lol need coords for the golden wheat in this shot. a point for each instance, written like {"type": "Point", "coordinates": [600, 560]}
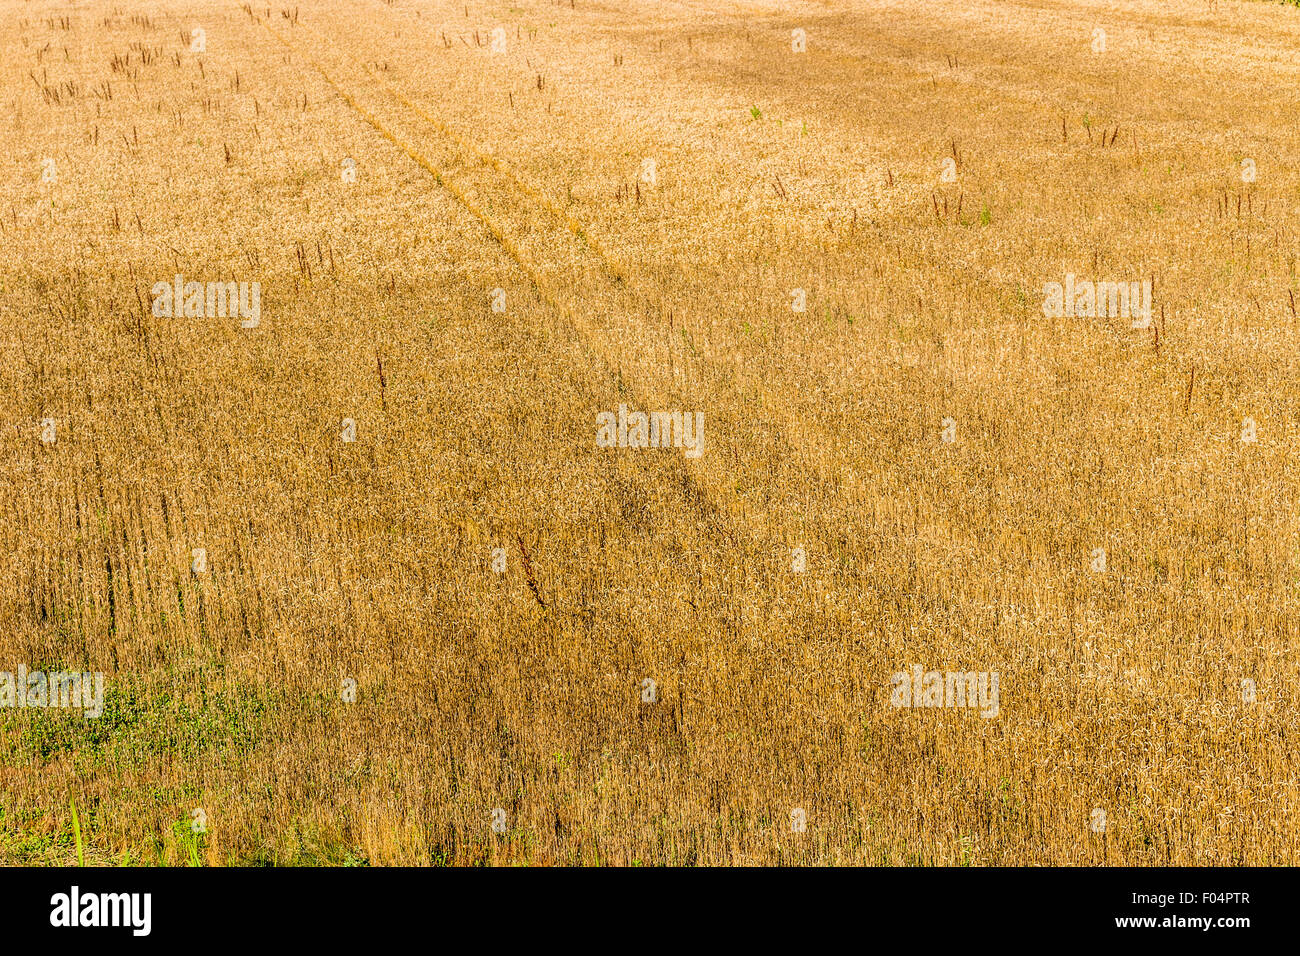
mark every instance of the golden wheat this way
{"type": "Point", "coordinates": [362, 581]}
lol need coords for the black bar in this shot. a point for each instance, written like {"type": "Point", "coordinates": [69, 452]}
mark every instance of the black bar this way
{"type": "Point", "coordinates": [958, 907]}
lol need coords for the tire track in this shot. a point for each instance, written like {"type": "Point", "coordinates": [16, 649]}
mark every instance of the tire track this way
{"type": "Point", "coordinates": [616, 272]}
{"type": "Point", "coordinates": [815, 471]}
{"type": "Point", "coordinates": [711, 493]}
{"type": "Point", "coordinates": [711, 499]}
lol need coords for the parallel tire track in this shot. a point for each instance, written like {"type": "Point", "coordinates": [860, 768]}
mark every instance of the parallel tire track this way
{"type": "Point", "coordinates": [622, 279]}
{"type": "Point", "coordinates": [714, 500]}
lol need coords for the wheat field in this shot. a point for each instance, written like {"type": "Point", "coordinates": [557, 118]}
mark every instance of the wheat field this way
{"type": "Point", "coordinates": [369, 557]}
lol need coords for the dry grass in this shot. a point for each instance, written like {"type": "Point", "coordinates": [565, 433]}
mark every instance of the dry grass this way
{"type": "Point", "coordinates": [372, 561]}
